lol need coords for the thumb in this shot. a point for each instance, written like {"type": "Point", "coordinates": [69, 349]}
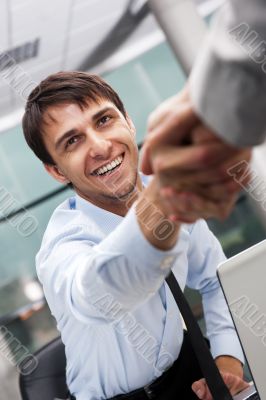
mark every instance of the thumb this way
{"type": "Point", "coordinates": [173, 130]}
{"type": "Point", "coordinates": [200, 388]}
{"type": "Point", "coordinates": [175, 127]}
{"type": "Point", "coordinates": [145, 161]}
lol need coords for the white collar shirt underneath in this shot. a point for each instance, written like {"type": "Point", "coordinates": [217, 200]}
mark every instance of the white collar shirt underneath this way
{"type": "Point", "coordinates": [105, 285]}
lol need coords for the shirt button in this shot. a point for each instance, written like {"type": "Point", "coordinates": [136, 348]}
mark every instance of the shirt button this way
{"type": "Point", "coordinates": [171, 314]}
{"type": "Point", "coordinates": [167, 262]}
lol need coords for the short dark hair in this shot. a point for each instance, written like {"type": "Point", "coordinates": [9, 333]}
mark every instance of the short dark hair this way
{"type": "Point", "coordinates": [63, 87]}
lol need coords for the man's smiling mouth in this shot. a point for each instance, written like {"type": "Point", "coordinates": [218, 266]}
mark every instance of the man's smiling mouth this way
{"type": "Point", "coordinates": [110, 167]}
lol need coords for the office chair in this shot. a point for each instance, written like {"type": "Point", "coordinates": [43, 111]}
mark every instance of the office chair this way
{"type": "Point", "coordinates": [48, 380]}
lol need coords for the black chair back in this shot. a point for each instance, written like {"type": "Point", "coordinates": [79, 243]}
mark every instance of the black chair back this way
{"type": "Point", "coordinates": [48, 380]}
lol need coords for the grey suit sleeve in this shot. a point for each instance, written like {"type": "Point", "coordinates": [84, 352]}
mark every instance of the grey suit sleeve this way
{"type": "Point", "coordinates": [228, 80]}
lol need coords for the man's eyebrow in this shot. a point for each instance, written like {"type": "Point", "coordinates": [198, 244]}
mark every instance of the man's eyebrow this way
{"type": "Point", "coordinates": [102, 112]}
{"type": "Point", "coordinates": [65, 136]}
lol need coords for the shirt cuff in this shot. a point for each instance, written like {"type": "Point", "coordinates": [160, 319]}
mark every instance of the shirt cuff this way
{"type": "Point", "coordinates": [227, 345]}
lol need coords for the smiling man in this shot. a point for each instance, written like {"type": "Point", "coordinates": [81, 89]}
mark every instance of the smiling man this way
{"type": "Point", "coordinates": [107, 251]}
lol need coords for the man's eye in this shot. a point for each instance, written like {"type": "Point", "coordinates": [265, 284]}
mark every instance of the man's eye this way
{"type": "Point", "coordinates": [103, 120]}
{"type": "Point", "coordinates": [71, 141]}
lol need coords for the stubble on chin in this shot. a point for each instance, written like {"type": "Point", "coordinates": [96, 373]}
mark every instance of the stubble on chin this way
{"type": "Point", "coordinates": [125, 190]}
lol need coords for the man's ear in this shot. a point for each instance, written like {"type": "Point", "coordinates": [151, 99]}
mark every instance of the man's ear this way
{"type": "Point", "coordinates": [55, 172]}
{"type": "Point", "coordinates": [131, 125]}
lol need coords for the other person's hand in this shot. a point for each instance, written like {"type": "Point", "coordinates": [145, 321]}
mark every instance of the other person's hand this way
{"type": "Point", "coordinates": [191, 162]}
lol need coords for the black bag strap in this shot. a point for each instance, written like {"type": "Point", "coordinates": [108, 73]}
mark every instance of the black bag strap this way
{"type": "Point", "coordinates": [207, 364]}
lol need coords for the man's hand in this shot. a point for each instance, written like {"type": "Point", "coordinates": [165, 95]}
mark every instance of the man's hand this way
{"type": "Point", "coordinates": [232, 373]}
{"type": "Point", "coordinates": [152, 218]}
{"type": "Point", "coordinates": [191, 162]}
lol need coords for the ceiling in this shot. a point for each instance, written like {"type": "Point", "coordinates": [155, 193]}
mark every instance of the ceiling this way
{"type": "Point", "coordinates": [39, 37]}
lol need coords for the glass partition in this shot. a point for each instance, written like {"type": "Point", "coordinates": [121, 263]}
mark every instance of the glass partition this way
{"type": "Point", "coordinates": [142, 84]}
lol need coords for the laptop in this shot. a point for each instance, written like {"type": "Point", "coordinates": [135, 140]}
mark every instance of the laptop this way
{"type": "Point", "coordinates": [243, 280]}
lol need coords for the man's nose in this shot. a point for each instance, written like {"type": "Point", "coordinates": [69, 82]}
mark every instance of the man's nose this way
{"type": "Point", "coordinates": [99, 146]}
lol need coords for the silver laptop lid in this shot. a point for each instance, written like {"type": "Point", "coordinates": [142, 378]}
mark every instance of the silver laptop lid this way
{"type": "Point", "coordinates": [243, 279]}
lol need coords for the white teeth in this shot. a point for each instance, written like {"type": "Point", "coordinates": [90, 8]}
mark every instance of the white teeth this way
{"type": "Point", "coordinates": [109, 166]}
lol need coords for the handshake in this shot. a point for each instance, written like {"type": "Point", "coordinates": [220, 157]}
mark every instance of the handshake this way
{"type": "Point", "coordinates": [191, 162]}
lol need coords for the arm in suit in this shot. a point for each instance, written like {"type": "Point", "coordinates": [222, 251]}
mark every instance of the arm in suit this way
{"type": "Point", "coordinates": [228, 81]}
{"type": "Point", "coordinates": [224, 101]}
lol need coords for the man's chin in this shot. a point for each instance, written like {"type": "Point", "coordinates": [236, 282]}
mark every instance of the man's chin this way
{"type": "Point", "coordinates": [122, 193]}
{"type": "Point", "coordinates": [125, 194]}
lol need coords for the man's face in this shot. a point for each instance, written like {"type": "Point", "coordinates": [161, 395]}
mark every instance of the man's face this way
{"type": "Point", "coordinates": [94, 149]}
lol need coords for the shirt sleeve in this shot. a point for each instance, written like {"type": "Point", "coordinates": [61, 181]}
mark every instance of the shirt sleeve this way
{"type": "Point", "coordinates": [228, 80]}
{"type": "Point", "coordinates": [123, 269]}
{"type": "Point", "coordinates": [204, 255]}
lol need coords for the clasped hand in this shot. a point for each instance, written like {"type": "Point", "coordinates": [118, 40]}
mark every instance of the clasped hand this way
{"type": "Point", "coordinates": [191, 162]}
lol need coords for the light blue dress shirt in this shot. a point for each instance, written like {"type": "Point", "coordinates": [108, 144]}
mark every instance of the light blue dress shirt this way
{"type": "Point", "coordinates": [104, 283]}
